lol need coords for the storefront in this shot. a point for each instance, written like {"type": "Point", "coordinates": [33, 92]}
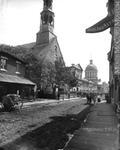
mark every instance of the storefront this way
{"type": "Point", "coordinates": [11, 84]}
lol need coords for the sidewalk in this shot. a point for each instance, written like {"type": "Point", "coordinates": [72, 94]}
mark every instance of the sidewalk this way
{"type": "Point", "coordinates": [46, 101]}
{"type": "Point", "coordinates": [99, 132]}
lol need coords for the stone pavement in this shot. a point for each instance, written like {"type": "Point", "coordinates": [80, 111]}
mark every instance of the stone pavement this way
{"type": "Point", "coordinates": [100, 130]}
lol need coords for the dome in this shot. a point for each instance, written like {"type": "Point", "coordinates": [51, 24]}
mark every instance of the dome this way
{"type": "Point", "coordinates": [91, 66]}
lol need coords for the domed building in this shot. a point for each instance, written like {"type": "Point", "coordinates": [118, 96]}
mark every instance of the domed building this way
{"type": "Point", "coordinates": [91, 72]}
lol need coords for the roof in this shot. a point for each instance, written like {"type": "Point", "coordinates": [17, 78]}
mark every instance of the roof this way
{"type": "Point", "coordinates": [78, 66]}
{"type": "Point", "coordinates": [41, 52]}
{"type": "Point", "coordinates": [91, 66]}
{"type": "Point", "coordinates": [10, 51]}
{"type": "Point", "coordinates": [27, 45]}
{"type": "Point", "coordinates": [14, 79]}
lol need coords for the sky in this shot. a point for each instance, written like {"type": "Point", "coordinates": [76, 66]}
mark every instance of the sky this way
{"type": "Point", "coordinates": [20, 21]}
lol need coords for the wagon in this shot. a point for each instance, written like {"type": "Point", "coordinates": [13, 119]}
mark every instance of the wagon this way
{"type": "Point", "coordinates": [12, 101]}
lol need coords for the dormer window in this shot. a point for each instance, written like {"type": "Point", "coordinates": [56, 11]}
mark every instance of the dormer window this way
{"type": "Point", "coordinates": [3, 63]}
{"type": "Point", "coordinates": [18, 67]}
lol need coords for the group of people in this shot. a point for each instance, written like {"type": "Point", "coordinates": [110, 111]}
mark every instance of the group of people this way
{"type": "Point", "coordinates": [93, 98]}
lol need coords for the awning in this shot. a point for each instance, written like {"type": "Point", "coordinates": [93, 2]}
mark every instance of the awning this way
{"type": "Point", "coordinates": [102, 25]}
{"type": "Point", "coordinates": [15, 79]}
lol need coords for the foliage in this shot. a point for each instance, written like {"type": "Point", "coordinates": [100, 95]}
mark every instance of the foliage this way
{"type": "Point", "coordinates": [18, 52]}
{"type": "Point", "coordinates": [64, 74]}
{"type": "Point", "coordinates": [48, 75]}
{"type": "Point", "coordinates": [42, 74]}
{"type": "Point", "coordinates": [33, 69]}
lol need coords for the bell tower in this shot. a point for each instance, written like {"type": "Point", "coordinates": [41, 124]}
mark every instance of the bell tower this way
{"type": "Point", "coordinates": [46, 24]}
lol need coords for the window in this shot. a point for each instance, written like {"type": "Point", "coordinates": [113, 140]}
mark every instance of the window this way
{"type": "Point", "coordinates": [18, 67]}
{"type": "Point", "coordinates": [3, 63]}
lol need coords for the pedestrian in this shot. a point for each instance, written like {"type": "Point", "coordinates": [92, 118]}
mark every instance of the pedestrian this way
{"type": "Point", "coordinates": [68, 94]}
{"type": "Point", "coordinates": [94, 99]}
{"type": "Point", "coordinates": [58, 94]}
{"type": "Point", "coordinates": [35, 91]}
{"type": "Point", "coordinates": [33, 94]}
{"type": "Point", "coordinates": [88, 98]}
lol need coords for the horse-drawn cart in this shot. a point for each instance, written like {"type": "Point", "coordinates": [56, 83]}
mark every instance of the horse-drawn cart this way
{"type": "Point", "coordinates": [12, 101]}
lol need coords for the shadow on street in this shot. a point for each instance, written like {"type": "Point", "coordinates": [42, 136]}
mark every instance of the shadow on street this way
{"type": "Point", "coordinates": [51, 136]}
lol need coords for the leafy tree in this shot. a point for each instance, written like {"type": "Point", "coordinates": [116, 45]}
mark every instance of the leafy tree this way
{"type": "Point", "coordinates": [64, 74]}
{"type": "Point", "coordinates": [48, 74]}
{"type": "Point", "coordinates": [33, 69]}
{"type": "Point", "coordinates": [41, 73]}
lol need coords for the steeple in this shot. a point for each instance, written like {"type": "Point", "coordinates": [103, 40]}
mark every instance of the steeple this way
{"type": "Point", "coordinates": [46, 23]}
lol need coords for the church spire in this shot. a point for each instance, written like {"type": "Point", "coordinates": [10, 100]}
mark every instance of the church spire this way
{"type": "Point", "coordinates": [46, 24]}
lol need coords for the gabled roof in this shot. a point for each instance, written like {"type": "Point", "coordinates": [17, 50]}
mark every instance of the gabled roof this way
{"type": "Point", "coordinates": [78, 66]}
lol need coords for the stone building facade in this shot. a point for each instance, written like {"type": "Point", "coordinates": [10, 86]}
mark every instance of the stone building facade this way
{"type": "Point", "coordinates": [116, 49]}
{"type": "Point", "coordinates": [45, 51]}
{"type": "Point", "coordinates": [114, 55]}
{"type": "Point", "coordinates": [76, 70]}
{"type": "Point", "coordinates": [112, 21]}
{"type": "Point", "coordinates": [85, 85]}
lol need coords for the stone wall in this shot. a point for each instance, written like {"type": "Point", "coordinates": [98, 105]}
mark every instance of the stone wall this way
{"type": "Point", "coordinates": [116, 37]}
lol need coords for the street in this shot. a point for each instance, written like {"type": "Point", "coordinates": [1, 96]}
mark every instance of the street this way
{"type": "Point", "coordinates": [59, 85]}
{"type": "Point", "coordinates": [32, 117]}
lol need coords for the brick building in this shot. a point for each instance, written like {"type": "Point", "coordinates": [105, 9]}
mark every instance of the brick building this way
{"type": "Point", "coordinates": [12, 74]}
